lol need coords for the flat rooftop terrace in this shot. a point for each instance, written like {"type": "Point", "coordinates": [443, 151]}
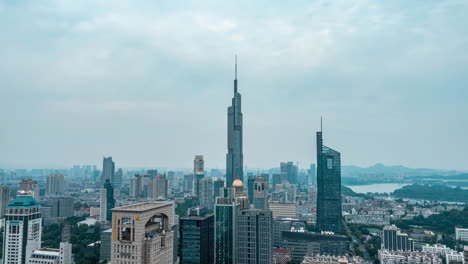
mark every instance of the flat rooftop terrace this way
{"type": "Point", "coordinates": [141, 207]}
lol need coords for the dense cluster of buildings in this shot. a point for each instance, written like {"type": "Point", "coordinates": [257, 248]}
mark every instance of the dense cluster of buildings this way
{"type": "Point", "coordinates": [145, 216]}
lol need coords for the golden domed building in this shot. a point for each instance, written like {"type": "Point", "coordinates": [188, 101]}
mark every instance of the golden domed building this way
{"type": "Point", "coordinates": [239, 193]}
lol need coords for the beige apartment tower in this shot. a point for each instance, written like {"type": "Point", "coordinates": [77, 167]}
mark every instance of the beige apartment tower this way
{"type": "Point", "coordinates": [142, 233]}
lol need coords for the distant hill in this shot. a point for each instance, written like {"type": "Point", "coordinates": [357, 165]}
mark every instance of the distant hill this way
{"type": "Point", "coordinates": [378, 173]}
{"type": "Point", "coordinates": [433, 193]}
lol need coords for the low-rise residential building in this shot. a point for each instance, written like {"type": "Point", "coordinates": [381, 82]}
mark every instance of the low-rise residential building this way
{"type": "Point", "coordinates": [454, 257]}
{"type": "Point", "coordinates": [63, 255]}
{"type": "Point", "coordinates": [333, 260]}
{"type": "Point", "coordinates": [366, 219]}
{"type": "Point", "coordinates": [465, 253]}
{"type": "Point", "coordinates": [408, 257]}
{"type": "Point", "coordinates": [437, 249]}
{"type": "Point", "coordinates": [281, 256]}
{"type": "Point", "coordinates": [444, 252]}
{"type": "Point", "coordinates": [310, 244]}
{"type": "Point", "coordinates": [461, 234]}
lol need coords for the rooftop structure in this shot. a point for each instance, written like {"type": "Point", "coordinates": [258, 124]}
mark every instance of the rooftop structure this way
{"type": "Point", "coordinates": [142, 233]}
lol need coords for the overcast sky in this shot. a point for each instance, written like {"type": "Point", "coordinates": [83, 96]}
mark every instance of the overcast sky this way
{"type": "Point", "coordinates": [148, 82]}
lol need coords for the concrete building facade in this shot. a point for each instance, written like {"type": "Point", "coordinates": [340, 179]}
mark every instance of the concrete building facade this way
{"type": "Point", "coordinates": [142, 233]}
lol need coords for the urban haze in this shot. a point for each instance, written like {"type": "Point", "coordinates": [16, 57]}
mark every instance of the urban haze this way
{"type": "Point", "coordinates": [248, 132]}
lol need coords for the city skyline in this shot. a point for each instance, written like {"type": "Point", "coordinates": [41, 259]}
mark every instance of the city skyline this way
{"type": "Point", "coordinates": [390, 84]}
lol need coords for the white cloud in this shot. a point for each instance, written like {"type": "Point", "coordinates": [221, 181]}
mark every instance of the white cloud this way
{"type": "Point", "coordinates": [172, 62]}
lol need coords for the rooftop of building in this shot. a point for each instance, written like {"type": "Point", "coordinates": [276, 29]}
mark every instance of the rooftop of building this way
{"type": "Point", "coordinates": [23, 202]}
{"type": "Point", "coordinates": [141, 207]}
{"type": "Point", "coordinates": [282, 250]}
{"type": "Point", "coordinates": [309, 236]}
{"type": "Point", "coordinates": [197, 217]}
{"type": "Point", "coordinates": [47, 252]}
{"type": "Point", "coordinates": [88, 221]}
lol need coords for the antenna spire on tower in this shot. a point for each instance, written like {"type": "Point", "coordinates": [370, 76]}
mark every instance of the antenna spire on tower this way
{"type": "Point", "coordinates": [236, 68]}
{"type": "Point", "coordinates": [321, 127]}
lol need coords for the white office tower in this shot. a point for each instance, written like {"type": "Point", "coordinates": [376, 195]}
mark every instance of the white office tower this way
{"type": "Point", "coordinates": [55, 185]}
{"type": "Point", "coordinates": [142, 233]}
{"type": "Point", "coordinates": [22, 229]}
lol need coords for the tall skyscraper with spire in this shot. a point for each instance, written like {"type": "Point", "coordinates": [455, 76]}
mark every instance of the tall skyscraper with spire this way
{"type": "Point", "coordinates": [329, 216]}
{"type": "Point", "coordinates": [234, 157]}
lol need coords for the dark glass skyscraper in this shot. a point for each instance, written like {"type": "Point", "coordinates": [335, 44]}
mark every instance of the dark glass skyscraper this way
{"type": "Point", "coordinates": [226, 211]}
{"type": "Point", "coordinates": [108, 170]}
{"type": "Point", "coordinates": [328, 188]}
{"type": "Point", "coordinates": [197, 239]}
{"type": "Point", "coordinates": [234, 157]}
{"type": "Point", "coordinates": [109, 200]}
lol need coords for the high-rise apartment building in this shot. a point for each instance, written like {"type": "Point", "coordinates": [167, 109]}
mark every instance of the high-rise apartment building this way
{"type": "Point", "coordinates": [28, 184]}
{"type": "Point", "coordinates": [160, 187]}
{"type": "Point", "coordinates": [118, 179]}
{"type": "Point", "coordinates": [198, 165]}
{"type": "Point", "coordinates": [218, 185]}
{"type": "Point", "coordinates": [226, 211]}
{"type": "Point", "coordinates": [4, 199]}
{"type": "Point", "coordinates": [107, 202]}
{"type": "Point", "coordinates": [108, 170]}
{"type": "Point", "coordinates": [197, 239]}
{"type": "Point", "coordinates": [234, 157]}
{"type": "Point", "coordinates": [105, 250]}
{"type": "Point", "coordinates": [2, 176]}
{"type": "Point", "coordinates": [289, 172]}
{"type": "Point", "coordinates": [55, 185]}
{"type": "Point", "coordinates": [62, 207]}
{"type": "Point", "coordinates": [22, 229]}
{"type": "Point", "coordinates": [312, 175]}
{"type": "Point", "coordinates": [133, 187]}
{"type": "Point", "coordinates": [197, 184]}
{"type": "Point", "coordinates": [394, 240]}
{"type": "Point", "coordinates": [206, 193]}
{"type": "Point", "coordinates": [329, 212]}
{"type": "Point", "coordinates": [199, 174]}
{"type": "Point", "coordinates": [188, 183]}
{"type": "Point", "coordinates": [142, 233]}
{"type": "Point", "coordinates": [250, 187]}
{"type": "Point", "coordinates": [254, 231]}
{"type": "Point", "coordinates": [260, 193]}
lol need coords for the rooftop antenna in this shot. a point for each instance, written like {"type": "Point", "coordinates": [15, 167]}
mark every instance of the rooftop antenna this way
{"type": "Point", "coordinates": [236, 68]}
{"type": "Point", "coordinates": [321, 127]}
{"type": "Point", "coordinates": [235, 75]}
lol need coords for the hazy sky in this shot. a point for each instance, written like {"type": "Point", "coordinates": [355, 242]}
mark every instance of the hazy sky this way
{"type": "Point", "coordinates": [148, 82]}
